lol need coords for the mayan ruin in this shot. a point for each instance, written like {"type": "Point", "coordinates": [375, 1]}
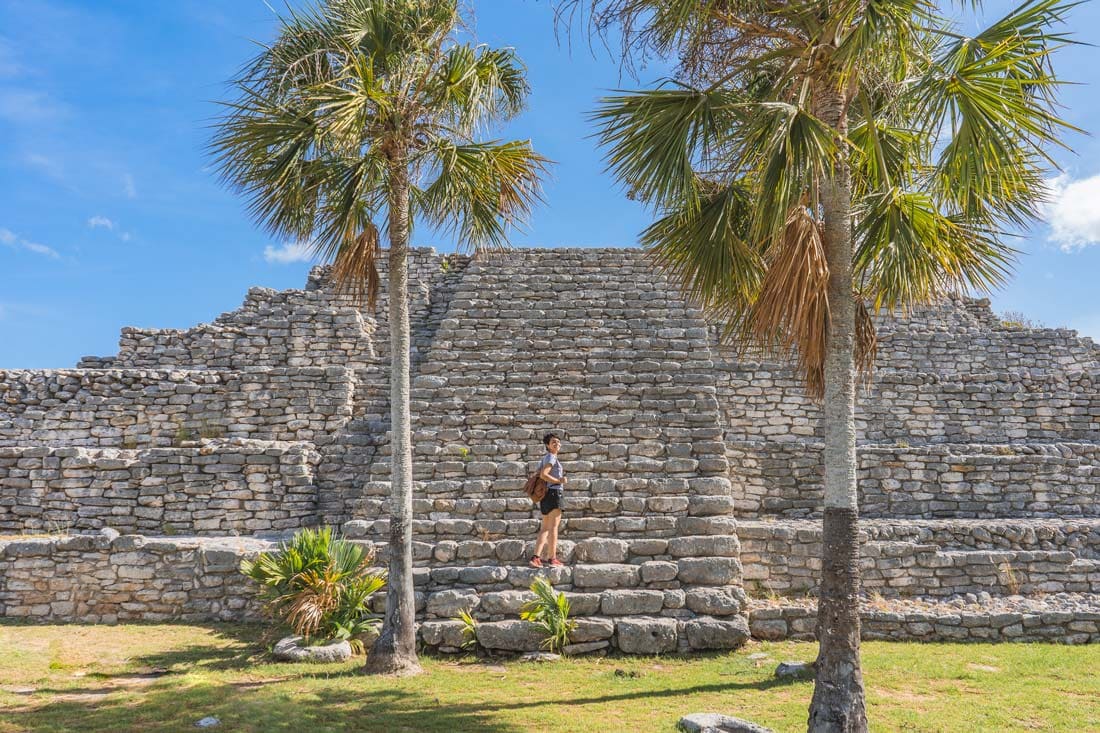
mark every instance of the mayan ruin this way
{"type": "Point", "coordinates": [695, 495]}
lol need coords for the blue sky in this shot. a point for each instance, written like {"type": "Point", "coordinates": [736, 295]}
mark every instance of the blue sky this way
{"type": "Point", "coordinates": [110, 215]}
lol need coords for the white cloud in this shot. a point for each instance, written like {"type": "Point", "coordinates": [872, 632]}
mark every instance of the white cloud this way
{"type": "Point", "coordinates": [101, 222]}
{"type": "Point", "coordinates": [128, 186]}
{"type": "Point", "coordinates": [289, 252]}
{"type": "Point", "coordinates": [1074, 212]}
{"type": "Point", "coordinates": [13, 240]}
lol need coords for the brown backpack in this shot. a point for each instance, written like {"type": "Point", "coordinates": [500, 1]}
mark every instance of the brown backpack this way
{"type": "Point", "coordinates": [535, 488]}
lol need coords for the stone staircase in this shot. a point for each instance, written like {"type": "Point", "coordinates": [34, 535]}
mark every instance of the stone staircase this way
{"type": "Point", "coordinates": [694, 495]}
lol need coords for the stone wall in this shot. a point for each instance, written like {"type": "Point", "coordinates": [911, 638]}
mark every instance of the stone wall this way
{"type": "Point", "coordinates": [787, 560]}
{"type": "Point", "coordinates": [799, 622]}
{"type": "Point", "coordinates": [131, 408]}
{"type": "Point", "coordinates": [963, 335]}
{"type": "Point", "coordinates": [766, 402]}
{"type": "Point", "coordinates": [107, 578]}
{"type": "Point", "coordinates": [222, 487]}
{"type": "Point", "coordinates": [1008, 480]}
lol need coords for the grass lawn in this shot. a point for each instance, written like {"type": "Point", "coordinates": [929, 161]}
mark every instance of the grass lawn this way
{"type": "Point", "coordinates": [166, 677]}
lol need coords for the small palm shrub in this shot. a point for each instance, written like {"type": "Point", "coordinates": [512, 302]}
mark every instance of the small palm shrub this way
{"type": "Point", "coordinates": [319, 585]}
{"type": "Point", "coordinates": [469, 629]}
{"type": "Point", "coordinates": [549, 610]}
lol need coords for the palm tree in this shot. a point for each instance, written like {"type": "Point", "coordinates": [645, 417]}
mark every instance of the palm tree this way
{"type": "Point", "coordinates": [362, 116]}
{"type": "Point", "coordinates": [814, 161]}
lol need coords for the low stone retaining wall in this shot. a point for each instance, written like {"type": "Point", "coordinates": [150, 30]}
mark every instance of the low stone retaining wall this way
{"type": "Point", "coordinates": [1035, 480]}
{"type": "Point", "coordinates": [224, 486]}
{"type": "Point", "coordinates": [107, 578]}
{"type": "Point", "coordinates": [787, 561]}
{"type": "Point", "coordinates": [133, 408]}
{"type": "Point", "coordinates": [945, 624]}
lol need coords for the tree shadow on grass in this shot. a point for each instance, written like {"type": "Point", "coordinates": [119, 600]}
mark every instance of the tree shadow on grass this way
{"type": "Point", "coordinates": [246, 708]}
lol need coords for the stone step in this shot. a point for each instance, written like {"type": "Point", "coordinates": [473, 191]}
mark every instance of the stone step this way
{"type": "Point", "coordinates": [512, 504]}
{"type": "Point", "coordinates": [572, 528]}
{"type": "Point", "coordinates": [1079, 536]}
{"type": "Point", "coordinates": [1065, 618]}
{"type": "Point", "coordinates": [518, 551]}
{"type": "Point", "coordinates": [675, 588]}
{"type": "Point", "coordinates": [628, 634]}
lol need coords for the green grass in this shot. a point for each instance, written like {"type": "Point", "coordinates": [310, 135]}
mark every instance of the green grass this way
{"type": "Point", "coordinates": [165, 677]}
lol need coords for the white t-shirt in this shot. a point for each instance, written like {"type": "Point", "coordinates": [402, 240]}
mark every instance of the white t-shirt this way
{"type": "Point", "coordinates": [556, 470]}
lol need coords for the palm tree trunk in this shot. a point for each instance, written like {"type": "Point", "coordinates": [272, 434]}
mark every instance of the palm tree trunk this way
{"type": "Point", "coordinates": [838, 702]}
{"type": "Point", "coordinates": [395, 650]}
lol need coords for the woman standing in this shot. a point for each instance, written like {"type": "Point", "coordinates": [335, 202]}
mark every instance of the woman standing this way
{"type": "Point", "coordinates": [553, 474]}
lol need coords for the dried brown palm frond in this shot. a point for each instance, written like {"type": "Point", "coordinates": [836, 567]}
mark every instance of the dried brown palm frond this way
{"type": "Point", "coordinates": [866, 341]}
{"type": "Point", "coordinates": [355, 267]}
{"type": "Point", "coordinates": [318, 596]}
{"type": "Point", "coordinates": [790, 316]}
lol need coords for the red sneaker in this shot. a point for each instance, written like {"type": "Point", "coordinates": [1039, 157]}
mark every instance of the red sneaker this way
{"type": "Point", "coordinates": [557, 563]}
{"type": "Point", "coordinates": [536, 562]}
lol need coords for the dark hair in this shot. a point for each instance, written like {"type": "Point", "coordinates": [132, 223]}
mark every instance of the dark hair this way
{"type": "Point", "coordinates": [548, 437]}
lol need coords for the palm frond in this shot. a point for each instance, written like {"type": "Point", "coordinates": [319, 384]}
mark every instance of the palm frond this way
{"type": "Point", "coordinates": [704, 247]}
{"type": "Point", "coordinates": [654, 138]}
{"type": "Point", "coordinates": [481, 189]}
{"type": "Point", "coordinates": [479, 84]}
{"type": "Point", "coordinates": [909, 251]}
{"type": "Point", "coordinates": [789, 318]}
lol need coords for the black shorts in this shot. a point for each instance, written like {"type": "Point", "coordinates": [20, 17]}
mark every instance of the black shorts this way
{"type": "Point", "coordinates": [552, 501]}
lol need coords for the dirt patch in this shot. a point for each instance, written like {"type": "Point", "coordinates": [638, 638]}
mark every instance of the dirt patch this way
{"type": "Point", "coordinates": [905, 696]}
{"type": "Point", "coordinates": [982, 667]}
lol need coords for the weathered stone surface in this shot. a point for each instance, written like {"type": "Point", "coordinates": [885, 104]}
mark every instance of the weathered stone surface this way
{"type": "Point", "coordinates": [291, 649]}
{"type": "Point", "coordinates": [443, 633]}
{"type": "Point", "coordinates": [606, 576]}
{"type": "Point", "coordinates": [711, 601]}
{"type": "Point", "coordinates": [592, 629]}
{"type": "Point", "coordinates": [448, 603]}
{"type": "Point", "coordinates": [646, 635]}
{"type": "Point", "coordinates": [621, 602]}
{"type": "Point", "coordinates": [573, 650]}
{"type": "Point", "coordinates": [600, 550]}
{"type": "Point", "coordinates": [712, 633]}
{"type": "Point", "coordinates": [709, 570]}
{"type": "Point", "coordinates": [718, 723]}
{"type": "Point", "coordinates": [796, 670]}
{"type": "Point", "coordinates": [514, 636]}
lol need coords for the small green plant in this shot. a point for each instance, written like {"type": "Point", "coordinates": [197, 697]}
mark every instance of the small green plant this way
{"type": "Point", "coordinates": [319, 585]}
{"type": "Point", "coordinates": [901, 443]}
{"type": "Point", "coordinates": [464, 453]}
{"type": "Point", "coordinates": [469, 629]}
{"type": "Point", "coordinates": [445, 265]}
{"type": "Point", "coordinates": [549, 610]}
{"type": "Point", "coordinates": [183, 435]}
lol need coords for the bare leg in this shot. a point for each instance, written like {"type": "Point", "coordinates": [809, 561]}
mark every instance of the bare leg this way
{"type": "Point", "coordinates": [552, 532]}
{"type": "Point", "coordinates": [543, 536]}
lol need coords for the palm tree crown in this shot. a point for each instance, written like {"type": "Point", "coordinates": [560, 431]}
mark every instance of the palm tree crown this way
{"type": "Point", "coordinates": [358, 97]}
{"type": "Point", "coordinates": [944, 136]}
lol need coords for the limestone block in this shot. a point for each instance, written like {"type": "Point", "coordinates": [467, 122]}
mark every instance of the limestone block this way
{"type": "Point", "coordinates": [646, 635]}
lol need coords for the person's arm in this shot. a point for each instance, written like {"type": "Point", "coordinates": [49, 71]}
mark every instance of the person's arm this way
{"type": "Point", "coordinates": [545, 475]}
